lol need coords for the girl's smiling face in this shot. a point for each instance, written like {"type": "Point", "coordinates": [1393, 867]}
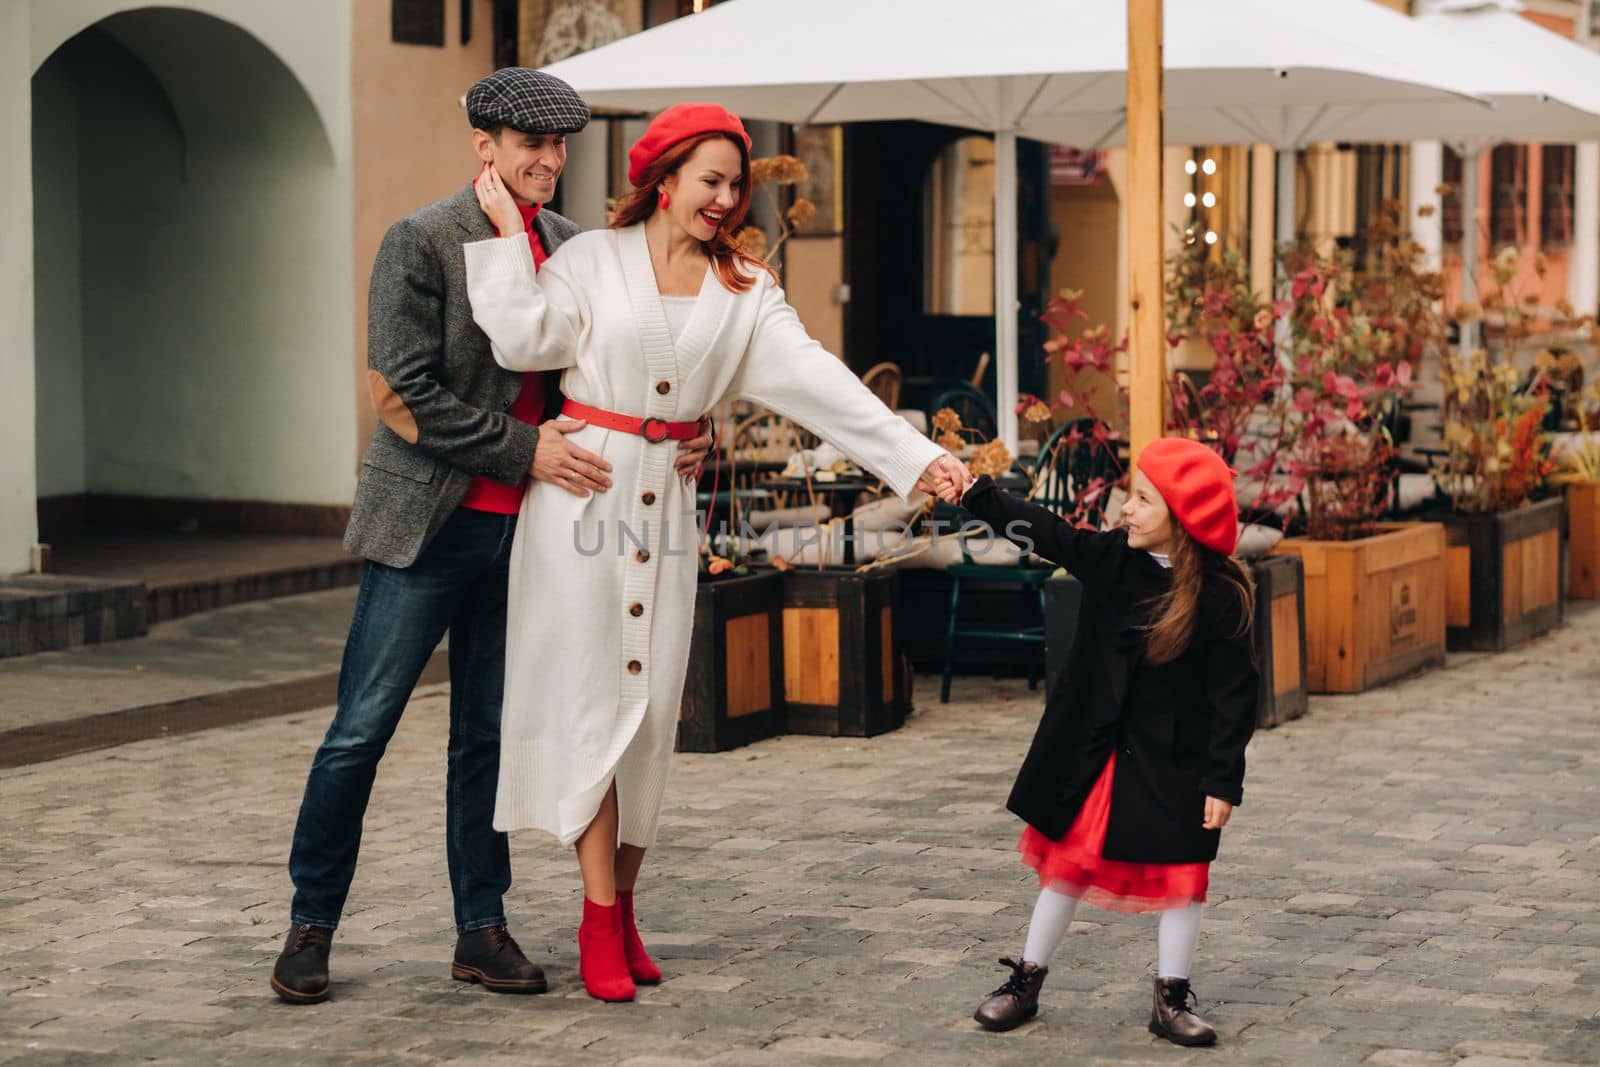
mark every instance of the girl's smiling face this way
{"type": "Point", "coordinates": [1146, 517]}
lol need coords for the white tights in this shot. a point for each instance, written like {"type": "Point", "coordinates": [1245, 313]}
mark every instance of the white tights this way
{"type": "Point", "coordinates": [1176, 936]}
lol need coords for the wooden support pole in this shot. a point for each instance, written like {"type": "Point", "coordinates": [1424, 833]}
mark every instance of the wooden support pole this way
{"type": "Point", "coordinates": [1147, 336]}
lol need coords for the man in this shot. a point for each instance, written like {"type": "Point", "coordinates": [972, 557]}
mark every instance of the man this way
{"type": "Point", "coordinates": [435, 510]}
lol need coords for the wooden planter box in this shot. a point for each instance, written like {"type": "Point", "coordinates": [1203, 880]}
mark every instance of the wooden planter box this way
{"type": "Point", "coordinates": [1583, 525]}
{"type": "Point", "coordinates": [1280, 636]}
{"type": "Point", "coordinates": [1374, 606]}
{"type": "Point", "coordinates": [1504, 576]}
{"type": "Point", "coordinates": [733, 694]}
{"type": "Point", "coordinates": [843, 674]}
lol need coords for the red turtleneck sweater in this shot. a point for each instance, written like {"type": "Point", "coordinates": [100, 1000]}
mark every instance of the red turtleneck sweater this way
{"type": "Point", "coordinates": [486, 494]}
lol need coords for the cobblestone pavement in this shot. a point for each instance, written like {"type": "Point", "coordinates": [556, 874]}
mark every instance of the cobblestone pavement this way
{"type": "Point", "coordinates": [1412, 881]}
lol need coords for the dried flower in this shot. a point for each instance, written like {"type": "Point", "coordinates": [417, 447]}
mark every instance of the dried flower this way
{"type": "Point", "coordinates": [782, 170]}
{"type": "Point", "coordinates": [947, 420]}
{"type": "Point", "coordinates": [950, 441]}
{"type": "Point", "coordinates": [990, 458]}
{"type": "Point", "coordinates": [1038, 411]}
{"type": "Point", "coordinates": [752, 241]}
{"type": "Point", "coordinates": [800, 213]}
{"type": "Point", "coordinates": [1426, 211]}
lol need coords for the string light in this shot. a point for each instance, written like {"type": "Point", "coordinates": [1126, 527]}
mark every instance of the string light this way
{"type": "Point", "coordinates": [1209, 166]}
{"type": "Point", "coordinates": [1188, 199]}
{"type": "Point", "coordinates": [1189, 166]}
{"type": "Point", "coordinates": [1209, 200]}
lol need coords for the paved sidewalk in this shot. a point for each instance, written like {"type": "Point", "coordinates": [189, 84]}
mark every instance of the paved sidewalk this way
{"type": "Point", "coordinates": [1413, 880]}
{"type": "Point", "coordinates": [244, 646]}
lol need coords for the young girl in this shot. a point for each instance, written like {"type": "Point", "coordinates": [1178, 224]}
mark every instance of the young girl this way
{"type": "Point", "coordinates": [1139, 758]}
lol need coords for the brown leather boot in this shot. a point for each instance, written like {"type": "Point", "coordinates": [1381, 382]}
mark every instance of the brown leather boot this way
{"type": "Point", "coordinates": [1172, 1018]}
{"type": "Point", "coordinates": [492, 958]}
{"type": "Point", "coordinates": [301, 974]}
{"type": "Point", "coordinates": [1015, 1002]}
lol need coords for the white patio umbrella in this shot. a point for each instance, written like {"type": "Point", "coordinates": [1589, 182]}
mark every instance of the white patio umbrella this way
{"type": "Point", "coordinates": [1544, 88]}
{"type": "Point", "coordinates": [1235, 71]}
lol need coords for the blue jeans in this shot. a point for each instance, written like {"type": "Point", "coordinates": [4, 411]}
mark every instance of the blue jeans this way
{"type": "Point", "coordinates": [457, 584]}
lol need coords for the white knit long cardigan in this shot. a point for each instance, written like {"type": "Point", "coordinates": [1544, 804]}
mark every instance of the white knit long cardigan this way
{"type": "Point", "coordinates": [603, 588]}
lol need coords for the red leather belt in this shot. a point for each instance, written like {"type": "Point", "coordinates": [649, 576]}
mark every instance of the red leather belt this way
{"type": "Point", "coordinates": [653, 430]}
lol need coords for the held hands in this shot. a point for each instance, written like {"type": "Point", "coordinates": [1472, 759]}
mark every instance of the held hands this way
{"type": "Point", "coordinates": [559, 462]}
{"type": "Point", "coordinates": [496, 202]}
{"type": "Point", "coordinates": [946, 478]}
{"type": "Point", "coordinates": [1217, 813]}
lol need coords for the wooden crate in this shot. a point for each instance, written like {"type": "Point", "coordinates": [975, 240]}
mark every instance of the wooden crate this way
{"type": "Point", "coordinates": [733, 694]}
{"type": "Point", "coordinates": [1375, 606]}
{"type": "Point", "coordinates": [1280, 636]}
{"type": "Point", "coordinates": [1504, 576]}
{"type": "Point", "coordinates": [843, 674]}
{"type": "Point", "coordinates": [1583, 543]}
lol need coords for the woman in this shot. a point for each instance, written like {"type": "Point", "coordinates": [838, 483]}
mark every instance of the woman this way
{"type": "Point", "coordinates": [654, 320]}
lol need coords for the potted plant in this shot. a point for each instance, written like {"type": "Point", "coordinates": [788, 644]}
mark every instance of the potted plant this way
{"type": "Point", "coordinates": [1374, 589]}
{"type": "Point", "coordinates": [733, 693]}
{"type": "Point", "coordinates": [1504, 543]}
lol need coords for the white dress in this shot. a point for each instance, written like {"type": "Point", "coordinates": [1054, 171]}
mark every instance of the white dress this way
{"type": "Point", "coordinates": [602, 588]}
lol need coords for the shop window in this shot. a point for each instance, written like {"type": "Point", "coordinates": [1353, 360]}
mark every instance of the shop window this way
{"type": "Point", "coordinates": [1450, 209]}
{"type": "Point", "coordinates": [1558, 172]}
{"type": "Point", "coordinates": [958, 228]}
{"type": "Point", "coordinates": [1508, 195]}
{"type": "Point", "coordinates": [417, 22]}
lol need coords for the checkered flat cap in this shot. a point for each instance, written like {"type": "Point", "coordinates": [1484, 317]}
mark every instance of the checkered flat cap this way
{"type": "Point", "coordinates": [527, 100]}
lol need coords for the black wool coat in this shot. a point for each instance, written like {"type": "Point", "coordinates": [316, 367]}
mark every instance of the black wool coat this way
{"type": "Point", "coordinates": [1179, 729]}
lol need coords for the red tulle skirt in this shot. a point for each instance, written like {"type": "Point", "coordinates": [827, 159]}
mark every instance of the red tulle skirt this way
{"type": "Point", "coordinates": [1074, 865]}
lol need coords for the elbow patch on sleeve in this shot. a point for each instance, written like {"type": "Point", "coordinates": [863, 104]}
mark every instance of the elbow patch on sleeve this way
{"type": "Point", "coordinates": [392, 411]}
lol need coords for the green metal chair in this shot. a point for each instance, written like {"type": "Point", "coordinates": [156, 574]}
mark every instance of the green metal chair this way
{"type": "Point", "coordinates": [975, 407]}
{"type": "Point", "coordinates": [1067, 465]}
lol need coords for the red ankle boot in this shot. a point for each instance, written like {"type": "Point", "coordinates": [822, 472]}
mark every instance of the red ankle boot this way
{"type": "Point", "coordinates": [600, 957]}
{"type": "Point", "coordinates": [640, 965]}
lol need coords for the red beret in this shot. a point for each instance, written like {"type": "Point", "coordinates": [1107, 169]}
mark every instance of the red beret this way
{"type": "Point", "coordinates": [1197, 486]}
{"type": "Point", "coordinates": [677, 124]}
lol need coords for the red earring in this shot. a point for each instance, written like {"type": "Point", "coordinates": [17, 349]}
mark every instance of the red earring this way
{"type": "Point", "coordinates": [663, 200]}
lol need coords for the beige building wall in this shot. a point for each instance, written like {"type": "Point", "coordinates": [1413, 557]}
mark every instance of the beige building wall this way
{"type": "Point", "coordinates": [813, 273]}
{"type": "Point", "coordinates": [411, 140]}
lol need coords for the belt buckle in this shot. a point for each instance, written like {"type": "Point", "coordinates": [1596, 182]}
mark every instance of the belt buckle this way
{"type": "Point", "coordinates": [656, 435]}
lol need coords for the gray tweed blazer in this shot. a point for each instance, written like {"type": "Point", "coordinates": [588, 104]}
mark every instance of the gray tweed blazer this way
{"type": "Point", "coordinates": [441, 399]}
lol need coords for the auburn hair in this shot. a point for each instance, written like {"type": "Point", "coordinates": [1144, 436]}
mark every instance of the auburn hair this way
{"type": "Point", "coordinates": [1177, 611]}
{"type": "Point", "coordinates": [734, 267]}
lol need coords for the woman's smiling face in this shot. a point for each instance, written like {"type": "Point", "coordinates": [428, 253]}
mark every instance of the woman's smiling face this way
{"type": "Point", "coordinates": [705, 188]}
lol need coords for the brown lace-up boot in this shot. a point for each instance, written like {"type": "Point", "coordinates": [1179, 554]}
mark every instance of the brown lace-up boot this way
{"type": "Point", "coordinates": [301, 974]}
{"type": "Point", "coordinates": [1015, 1002]}
{"type": "Point", "coordinates": [1172, 1018]}
{"type": "Point", "coordinates": [492, 958]}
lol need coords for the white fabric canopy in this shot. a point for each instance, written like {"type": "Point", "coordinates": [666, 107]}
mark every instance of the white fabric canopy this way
{"type": "Point", "coordinates": [1235, 71]}
{"type": "Point", "coordinates": [1543, 86]}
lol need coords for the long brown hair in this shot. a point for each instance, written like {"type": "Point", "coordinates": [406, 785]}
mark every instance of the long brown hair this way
{"type": "Point", "coordinates": [1177, 612]}
{"type": "Point", "coordinates": [728, 260]}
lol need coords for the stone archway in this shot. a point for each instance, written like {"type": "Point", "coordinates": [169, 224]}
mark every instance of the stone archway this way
{"type": "Point", "coordinates": [192, 313]}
